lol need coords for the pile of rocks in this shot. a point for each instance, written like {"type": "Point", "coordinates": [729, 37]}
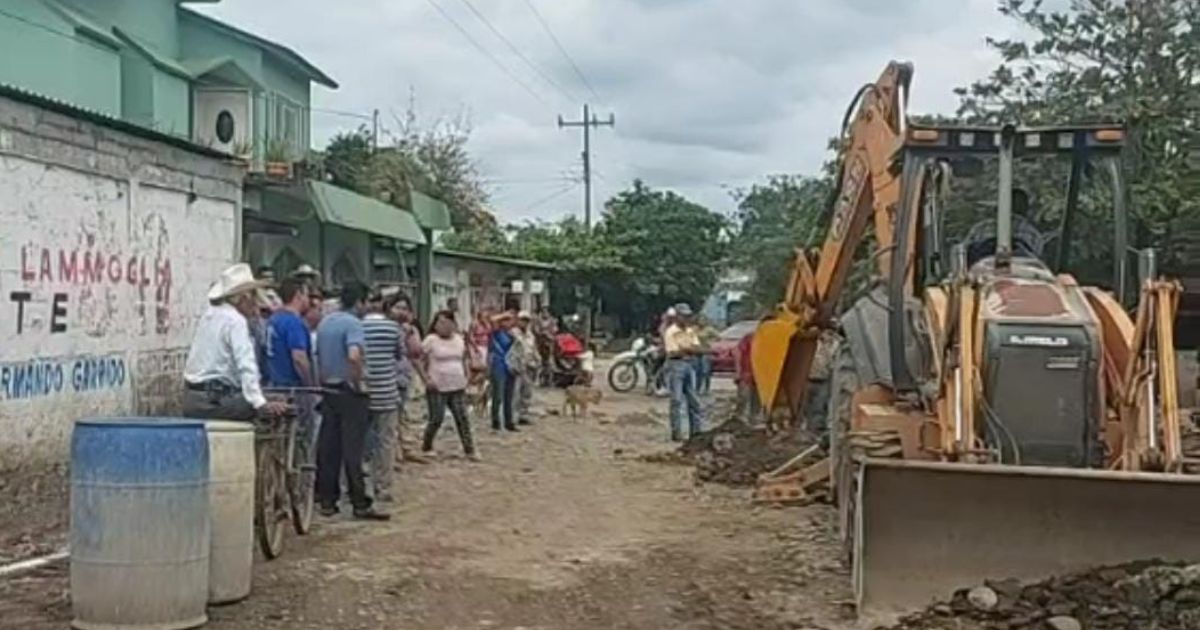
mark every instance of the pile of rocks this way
{"type": "Point", "coordinates": [735, 453]}
{"type": "Point", "coordinates": [1137, 595]}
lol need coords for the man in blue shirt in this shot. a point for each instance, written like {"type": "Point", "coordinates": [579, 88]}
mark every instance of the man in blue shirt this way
{"type": "Point", "coordinates": [346, 409]}
{"type": "Point", "coordinates": [289, 347]}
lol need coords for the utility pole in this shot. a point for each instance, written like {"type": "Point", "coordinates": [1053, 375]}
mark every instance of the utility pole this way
{"type": "Point", "coordinates": [588, 121]}
{"type": "Point", "coordinates": [375, 131]}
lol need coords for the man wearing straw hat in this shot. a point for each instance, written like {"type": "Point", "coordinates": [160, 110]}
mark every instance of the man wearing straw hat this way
{"type": "Point", "coordinates": [221, 374]}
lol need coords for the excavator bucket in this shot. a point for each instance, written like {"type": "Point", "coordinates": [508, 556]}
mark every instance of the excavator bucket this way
{"type": "Point", "coordinates": [924, 529]}
{"type": "Point", "coordinates": [769, 353]}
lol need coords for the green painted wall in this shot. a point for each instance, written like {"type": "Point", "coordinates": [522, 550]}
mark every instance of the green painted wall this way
{"type": "Point", "coordinates": [137, 89]}
{"type": "Point", "coordinates": [172, 104]}
{"type": "Point", "coordinates": [198, 40]}
{"type": "Point", "coordinates": [152, 20]}
{"type": "Point", "coordinates": [70, 68]}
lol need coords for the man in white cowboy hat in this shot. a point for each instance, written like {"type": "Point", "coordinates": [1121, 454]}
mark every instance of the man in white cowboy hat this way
{"type": "Point", "coordinates": [221, 374]}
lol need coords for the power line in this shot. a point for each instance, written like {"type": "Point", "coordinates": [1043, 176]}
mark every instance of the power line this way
{"type": "Point", "coordinates": [561, 49]}
{"type": "Point", "coordinates": [485, 52]}
{"type": "Point", "coordinates": [516, 51]}
{"type": "Point", "coordinates": [551, 197]}
{"type": "Point", "coordinates": [54, 31]}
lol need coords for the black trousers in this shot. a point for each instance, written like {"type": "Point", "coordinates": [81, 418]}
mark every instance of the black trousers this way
{"type": "Point", "coordinates": [345, 419]}
{"type": "Point", "coordinates": [457, 402]}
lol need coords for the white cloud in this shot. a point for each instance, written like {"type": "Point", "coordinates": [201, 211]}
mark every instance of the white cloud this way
{"type": "Point", "coordinates": [708, 94]}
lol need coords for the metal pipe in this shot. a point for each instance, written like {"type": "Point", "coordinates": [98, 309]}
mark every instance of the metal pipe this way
{"type": "Point", "coordinates": [958, 400]}
{"type": "Point", "coordinates": [23, 566]}
{"type": "Point", "coordinates": [1004, 202]}
{"type": "Point", "coordinates": [1121, 232]}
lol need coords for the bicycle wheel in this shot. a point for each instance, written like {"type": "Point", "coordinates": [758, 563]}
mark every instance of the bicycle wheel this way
{"type": "Point", "coordinates": [301, 484]}
{"type": "Point", "coordinates": [271, 500]}
{"type": "Point", "coordinates": [623, 376]}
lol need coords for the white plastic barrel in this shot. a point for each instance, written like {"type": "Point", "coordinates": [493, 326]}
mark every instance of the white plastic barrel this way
{"type": "Point", "coordinates": [139, 524]}
{"type": "Point", "coordinates": [231, 501]}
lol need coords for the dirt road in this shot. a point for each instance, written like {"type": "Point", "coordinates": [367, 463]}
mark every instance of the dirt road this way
{"type": "Point", "coordinates": [561, 526]}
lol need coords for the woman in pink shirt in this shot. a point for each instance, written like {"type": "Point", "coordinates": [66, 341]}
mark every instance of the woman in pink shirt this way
{"type": "Point", "coordinates": [443, 366]}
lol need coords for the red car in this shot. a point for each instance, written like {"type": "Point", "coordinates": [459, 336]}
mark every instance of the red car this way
{"type": "Point", "coordinates": [724, 349]}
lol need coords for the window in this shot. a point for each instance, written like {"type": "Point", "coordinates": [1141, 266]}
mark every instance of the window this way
{"type": "Point", "coordinates": [285, 122]}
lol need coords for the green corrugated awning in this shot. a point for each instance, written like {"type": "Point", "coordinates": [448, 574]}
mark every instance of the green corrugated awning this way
{"type": "Point", "coordinates": [432, 214]}
{"type": "Point", "coordinates": [357, 212]}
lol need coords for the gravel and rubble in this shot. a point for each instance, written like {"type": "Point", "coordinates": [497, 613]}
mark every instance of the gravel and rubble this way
{"type": "Point", "coordinates": [736, 453]}
{"type": "Point", "coordinates": [1150, 595]}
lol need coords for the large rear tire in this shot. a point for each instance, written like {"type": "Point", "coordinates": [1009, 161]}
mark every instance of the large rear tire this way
{"type": "Point", "coordinates": [849, 445]}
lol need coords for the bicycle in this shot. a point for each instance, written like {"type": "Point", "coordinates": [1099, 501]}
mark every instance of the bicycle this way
{"type": "Point", "coordinates": [285, 469]}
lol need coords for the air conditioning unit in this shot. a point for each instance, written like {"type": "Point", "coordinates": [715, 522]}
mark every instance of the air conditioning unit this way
{"type": "Point", "coordinates": [223, 119]}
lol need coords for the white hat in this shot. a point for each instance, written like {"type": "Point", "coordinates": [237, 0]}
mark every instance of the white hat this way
{"type": "Point", "coordinates": [524, 315]}
{"type": "Point", "coordinates": [305, 270]}
{"type": "Point", "coordinates": [670, 312]}
{"type": "Point", "coordinates": [234, 280]}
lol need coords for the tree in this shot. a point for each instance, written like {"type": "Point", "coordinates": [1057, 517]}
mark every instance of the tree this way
{"type": "Point", "coordinates": [775, 218]}
{"type": "Point", "coordinates": [1108, 60]}
{"type": "Point", "coordinates": [674, 249]}
{"type": "Point", "coordinates": [347, 158]}
{"type": "Point", "coordinates": [429, 159]}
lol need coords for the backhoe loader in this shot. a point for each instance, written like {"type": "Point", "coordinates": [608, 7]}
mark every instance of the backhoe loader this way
{"type": "Point", "coordinates": [990, 415]}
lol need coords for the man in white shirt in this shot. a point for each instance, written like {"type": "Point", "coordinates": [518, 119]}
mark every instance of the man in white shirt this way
{"type": "Point", "coordinates": [221, 376]}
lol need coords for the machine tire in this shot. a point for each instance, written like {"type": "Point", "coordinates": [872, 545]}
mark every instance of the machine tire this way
{"type": "Point", "coordinates": [623, 375]}
{"type": "Point", "coordinates": [848, 445]}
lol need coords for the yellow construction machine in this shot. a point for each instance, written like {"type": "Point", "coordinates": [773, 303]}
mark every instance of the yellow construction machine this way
{"type": "Point", "coordinates": [990, 415]}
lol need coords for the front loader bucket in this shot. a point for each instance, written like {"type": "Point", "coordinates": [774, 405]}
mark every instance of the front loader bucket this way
{"type": "Point", "coordinates": [925, 529]}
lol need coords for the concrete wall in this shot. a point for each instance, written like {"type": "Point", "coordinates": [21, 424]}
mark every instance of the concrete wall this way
{"type": "Point", "coordinates": [109, 245]}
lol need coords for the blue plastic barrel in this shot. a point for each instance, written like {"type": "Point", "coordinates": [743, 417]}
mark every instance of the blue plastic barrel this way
{"type": "Point", "coordinates": [139, 524]}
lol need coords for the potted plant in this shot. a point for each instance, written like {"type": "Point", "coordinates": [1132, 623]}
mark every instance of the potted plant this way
{"type": "Point", "coordinates": [278, 159]}
{"type": "Point", "coordinates": [243, 150]}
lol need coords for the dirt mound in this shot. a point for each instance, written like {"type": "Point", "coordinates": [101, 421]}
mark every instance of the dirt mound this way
{"type": "Point", "coordinates": [735, 453]}
{"type": "Point", "coordinates": [1137, 595]}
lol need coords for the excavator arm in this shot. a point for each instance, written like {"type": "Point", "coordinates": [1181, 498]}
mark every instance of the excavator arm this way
{"type": "Point", "coordinates": [784, 345]}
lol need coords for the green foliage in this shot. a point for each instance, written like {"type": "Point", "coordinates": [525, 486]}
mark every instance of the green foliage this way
{"type": "Point", "coordinates": [1109, 60]}
{"type": "Point", "coordinates": [433, 160]}
{"type": "Point", "coordinates": [346, 159]}
{"type": "Point", "coordinates": [675, 247]}
{"type": "Point", "coordinates": [775, 218]}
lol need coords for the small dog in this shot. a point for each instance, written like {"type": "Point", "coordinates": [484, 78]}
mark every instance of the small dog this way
{"type": "Point", "coordinates": [577, 398]}
{"type": "Point", "coordinates": [479, 398]}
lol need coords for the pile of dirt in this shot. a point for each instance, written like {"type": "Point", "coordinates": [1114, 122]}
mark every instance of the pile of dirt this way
{"type": "Point", "coordinates": [735, 453]}
{"type": "Point", "coordinates": [1137, 595]}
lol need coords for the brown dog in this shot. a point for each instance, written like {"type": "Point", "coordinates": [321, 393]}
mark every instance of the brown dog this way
{"type": "Point", "coordinates": [577, 398]}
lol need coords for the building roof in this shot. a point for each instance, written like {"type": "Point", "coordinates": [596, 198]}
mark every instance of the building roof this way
{"type": "Point", "coordinates": [104, 120]}
{"type": "Point", "coordinates": [358, 212]}
{"type": "Point", "coordinates": [279, 51]}
{"type": "Point", "coordinates": [500, 260]}
{"type": "Point", "coordinates": [160, 60]}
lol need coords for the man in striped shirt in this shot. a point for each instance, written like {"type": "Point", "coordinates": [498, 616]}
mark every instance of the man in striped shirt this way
{"type": "Point", "coordinates": [383, 346]}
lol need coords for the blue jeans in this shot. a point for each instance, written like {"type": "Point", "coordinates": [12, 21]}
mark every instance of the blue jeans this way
{"type": "Point", "coordinates": [681, 379]}
{"type": "Point", "coordinates": [503, 385]}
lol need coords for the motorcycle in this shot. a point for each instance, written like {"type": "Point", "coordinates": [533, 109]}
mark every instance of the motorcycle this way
{"type": "Point", "coordinates": [642, 358]}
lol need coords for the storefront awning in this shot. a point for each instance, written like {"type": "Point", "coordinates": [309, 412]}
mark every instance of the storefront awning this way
{"type": "Point", "coordinates": [357, 212]}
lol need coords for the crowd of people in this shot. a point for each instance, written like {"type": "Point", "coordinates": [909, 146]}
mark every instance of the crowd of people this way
{"type": "Point", "coordinates": [348, 370]}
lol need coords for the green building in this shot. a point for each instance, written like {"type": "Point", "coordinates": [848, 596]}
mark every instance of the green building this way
{"type": "Point", "coordinates": [162, 65]}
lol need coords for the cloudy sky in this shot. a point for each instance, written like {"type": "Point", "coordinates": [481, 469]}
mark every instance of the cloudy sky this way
{"type": "Point", "coordinates": [709, 95]}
